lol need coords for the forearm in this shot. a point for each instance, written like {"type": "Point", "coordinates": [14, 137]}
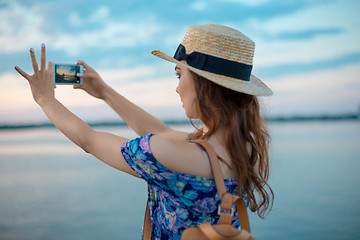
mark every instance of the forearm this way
{"type": "Point", "coordinates": [69, 124]}
{"type": "Point", "coordinates": [137, 118]}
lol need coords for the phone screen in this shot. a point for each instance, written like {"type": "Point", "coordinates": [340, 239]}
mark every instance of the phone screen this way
{"type": "Point", "coordinates": [67, 73]}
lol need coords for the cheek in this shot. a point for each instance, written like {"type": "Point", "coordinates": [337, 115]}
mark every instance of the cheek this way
{"type": "Point", "coordinates": [186, 93]}
{"type": "Point", "coordinates": [181, 90]}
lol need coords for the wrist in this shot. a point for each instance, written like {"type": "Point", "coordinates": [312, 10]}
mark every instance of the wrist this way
{"type": "Point", "coordinates": [45, 101]}
{"type": "Point", "coordinates": [106, 93]}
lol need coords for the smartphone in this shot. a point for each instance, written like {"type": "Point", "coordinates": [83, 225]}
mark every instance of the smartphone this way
{"type": "Point", "coordinates": [67, 73]}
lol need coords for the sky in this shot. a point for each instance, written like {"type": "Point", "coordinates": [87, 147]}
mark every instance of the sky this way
{"type": "Point", "coordinates": [307, 52]}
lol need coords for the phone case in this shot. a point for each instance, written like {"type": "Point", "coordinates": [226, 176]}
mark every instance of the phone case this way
{"type": "Point", "coordinates": [67, 74]}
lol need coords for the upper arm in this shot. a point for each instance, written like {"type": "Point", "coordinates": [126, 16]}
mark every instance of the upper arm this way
{"type": "Point", "coordinates": [107, 148]}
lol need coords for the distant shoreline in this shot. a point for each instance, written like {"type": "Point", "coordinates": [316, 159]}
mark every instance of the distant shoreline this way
{"type": "Point", "coordinates": [299, 118]}
{"type": "Point", "coordinates": [314, 118]}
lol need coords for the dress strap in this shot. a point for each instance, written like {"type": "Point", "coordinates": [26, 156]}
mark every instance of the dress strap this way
{"type": "Point", "coordinates": [223, 161]}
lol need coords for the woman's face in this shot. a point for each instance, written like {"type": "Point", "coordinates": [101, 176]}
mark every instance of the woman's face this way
{"type": "Point", "coordinates": [186, 91]}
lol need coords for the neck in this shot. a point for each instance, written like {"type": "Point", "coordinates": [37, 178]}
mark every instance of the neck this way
{"type": "Point", "coordinates": [217, 137]}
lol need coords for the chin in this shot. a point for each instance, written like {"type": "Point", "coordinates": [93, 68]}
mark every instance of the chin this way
{"type": "Point", "coordinates": [191, 113]}
{"type": "Point", "coordinates": [192, 116]}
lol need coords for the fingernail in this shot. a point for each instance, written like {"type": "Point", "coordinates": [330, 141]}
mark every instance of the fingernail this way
{"type": "Point", "coordinates": [43, 45]}
{"type": "Point", "coordinates": [31, 50]}
{"type": "Point", "coordinates": [79, 75]}
{"type": "Point", "coordinates": [16, 67]}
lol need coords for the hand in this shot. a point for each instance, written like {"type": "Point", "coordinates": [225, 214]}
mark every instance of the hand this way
{"type": "Point", "coordinates": [41, 82]}
{"type": "Point", "coordinates": [92, 84]}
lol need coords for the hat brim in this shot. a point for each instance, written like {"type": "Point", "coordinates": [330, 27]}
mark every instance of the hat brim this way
{"type": "Point", "coordinates": [253, 87]}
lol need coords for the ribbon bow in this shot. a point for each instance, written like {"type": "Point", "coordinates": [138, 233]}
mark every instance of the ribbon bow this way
{"type": "Point", "coordinates": [194, 59]}
{"type": "Point", "coordinates": [214, 64]}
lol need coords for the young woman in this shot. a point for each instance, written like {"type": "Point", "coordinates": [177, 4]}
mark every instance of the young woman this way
{"type": "Point", "coordinates": [213, 65]}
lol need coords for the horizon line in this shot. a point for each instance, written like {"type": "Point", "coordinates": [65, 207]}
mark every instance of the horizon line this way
{"type": "Point", "coordinates": [295, 118]}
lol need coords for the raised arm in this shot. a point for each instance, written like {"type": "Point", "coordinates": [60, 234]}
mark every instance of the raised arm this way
{"type": "Point", "coordinates": [104, 146]}
{"type": "Point", "coordinates": [137, 118]}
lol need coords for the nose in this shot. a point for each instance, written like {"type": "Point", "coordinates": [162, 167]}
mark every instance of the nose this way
{"type": "Point", "coordinates": [177, 89]}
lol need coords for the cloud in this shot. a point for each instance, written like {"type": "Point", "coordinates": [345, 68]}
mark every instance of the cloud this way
{"type": "Point", "coordinates": [23, 27]}
{"type": "Point", "coordinates": [198, 6]}
{"type": "Point", "coordinates": [253, 3]}
{"type": "Point", "coordinates": [100, 14]}
{"type": "Point", "coordinates": [318, 32]}
{"type": "Point", "coordinates": [324, 15]}
{"type": "Point", "coordinates": [120, 75]}
{"type": "Point", "coordinates": [306, 67]}
{"type": "Point", "coordinates": [332, 91]}
{"type": "Point", "coordinates": [307, 34]}
{"type": "Point", "coordinates": [75, 19]}
{"type": "Point", "coordinates": [114, 34]}
{"type": "Point", "coordinates": [20, 28]}
{"type": "Point", "coordinates": [15, 92]}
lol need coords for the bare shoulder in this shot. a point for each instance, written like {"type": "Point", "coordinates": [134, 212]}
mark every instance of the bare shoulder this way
{"type": "Point", "coordinates": [172, 150]}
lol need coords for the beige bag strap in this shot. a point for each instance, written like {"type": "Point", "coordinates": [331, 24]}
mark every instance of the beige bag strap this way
{"type": "Point", "coordinates": [219, 179]}
{"type": "Point", "coordinates": [227, 199]}
{"type": "Point", "coordinates": [211, 233]}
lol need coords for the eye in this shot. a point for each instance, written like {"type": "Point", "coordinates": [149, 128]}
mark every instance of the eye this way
{"type": "Point", "coordinates": [177, 75]}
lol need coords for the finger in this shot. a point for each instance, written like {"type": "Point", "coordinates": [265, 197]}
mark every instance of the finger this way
{"type": "Point", "coordinates": [85, 75]}
{"type": "Point", "coordinates": [80, 62]}
{"type": "Point", "coordinates": [33, 61]}
{"type": "Point", "coordinates": [43, 57]}
{"type": "Point", "coordinates": [49, 66]}
{"type": "Point", "coordinates": [22, 73]}
{"type": "Point", "coordinates": [49, 69]}
{"type": "Point", "coordinates": [80, 75]}
{"type": "Point", "coordinates": [78, 86]}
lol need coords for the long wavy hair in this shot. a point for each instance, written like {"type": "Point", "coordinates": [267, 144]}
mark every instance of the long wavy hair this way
{"type": "Point", "coordinates": [246, 137]}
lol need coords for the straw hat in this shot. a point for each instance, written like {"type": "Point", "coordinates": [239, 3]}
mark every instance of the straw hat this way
{"type": "Point", "coordinates": [221, 54]}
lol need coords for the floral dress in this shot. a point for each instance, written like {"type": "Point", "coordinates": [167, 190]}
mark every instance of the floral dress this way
{"type": "Point", "coordinates": [177, 201]}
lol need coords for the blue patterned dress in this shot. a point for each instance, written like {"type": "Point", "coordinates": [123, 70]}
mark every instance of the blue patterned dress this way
{"type": "Point", "coordinates": [177, 201]}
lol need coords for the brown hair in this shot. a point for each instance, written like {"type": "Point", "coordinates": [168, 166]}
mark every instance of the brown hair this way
{"type": "Point", "coordinates": [239, 114]}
